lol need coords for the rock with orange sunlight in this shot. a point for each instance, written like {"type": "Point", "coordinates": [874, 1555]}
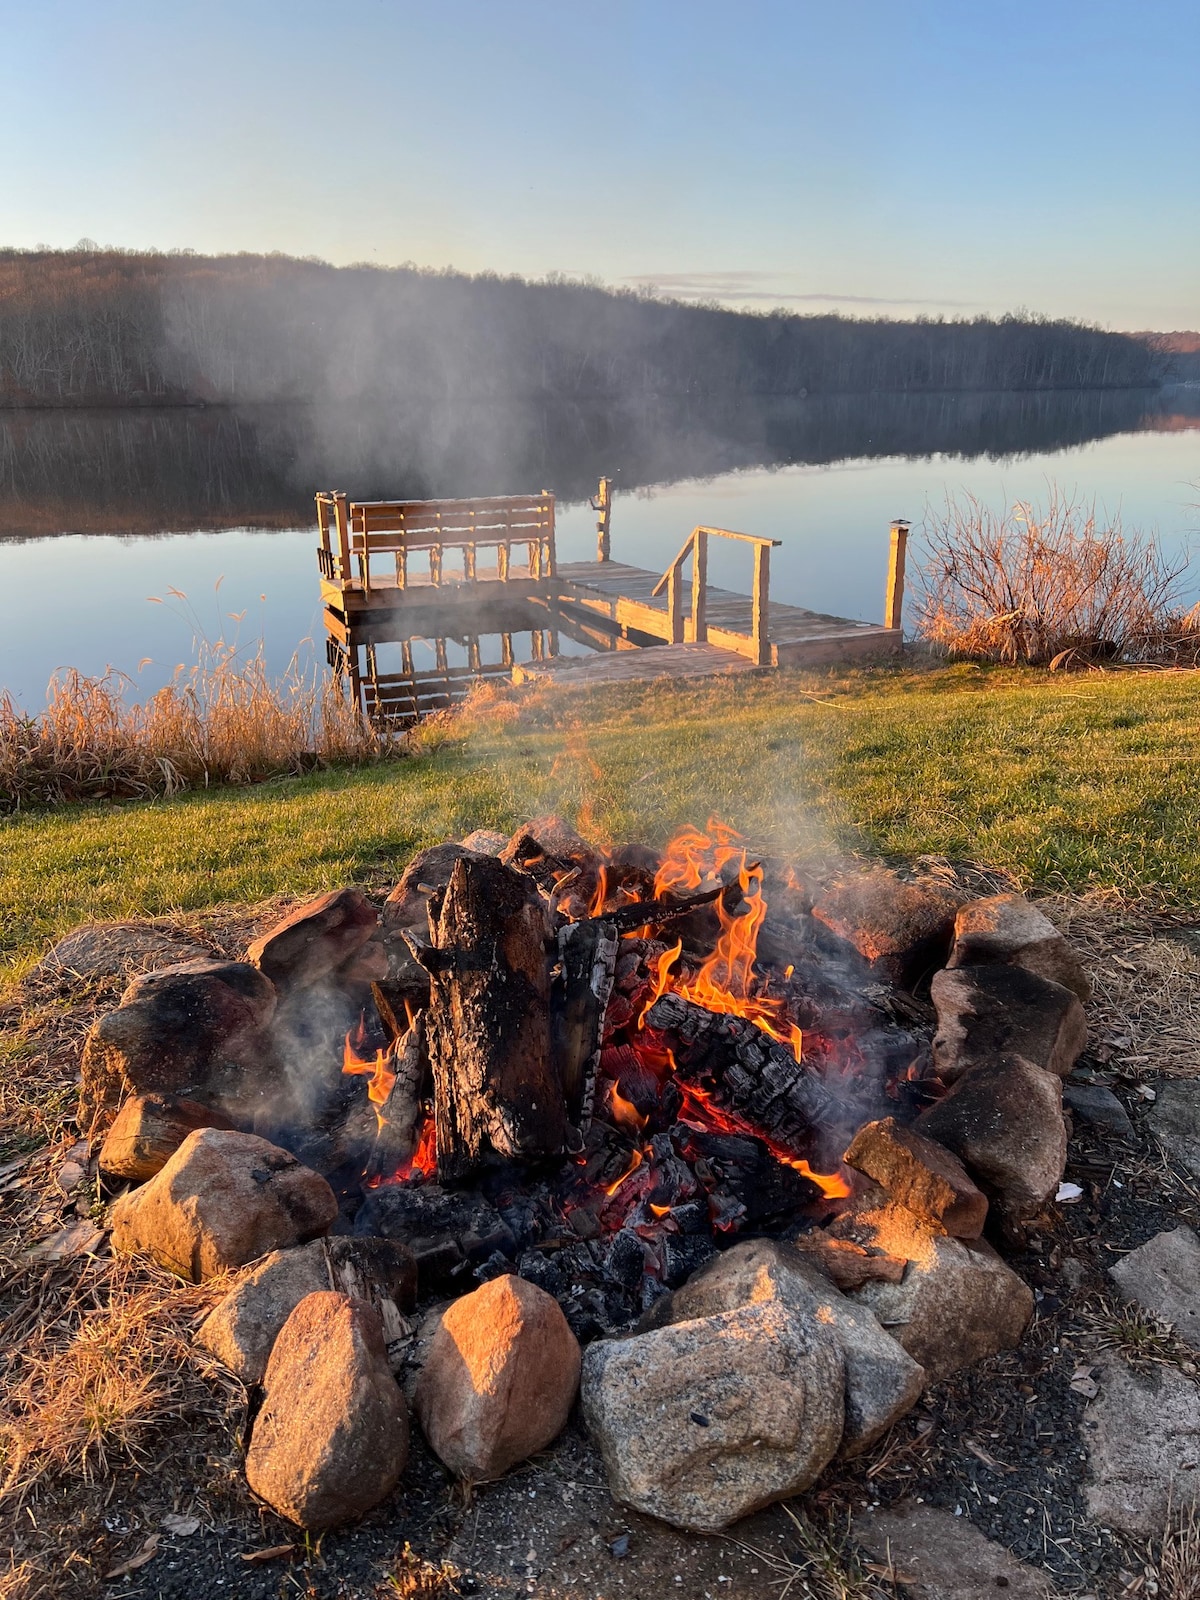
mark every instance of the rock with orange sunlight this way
{"type": "Point", "coordinates": [701, 1422]}
{"type": "Point", "coordinates": [242, 1329]}
{"type": "Point", "coordinates": [147, 1132]}
{"type": "Point", "coordinates": [921, 1175]}
{"type": "Point", "coordinates": [1007, 928]}
{"type": "Point", "coordinates": [956, 1304]}
{"type": "Point", "coordinates": [223, 1199]}
{"type": "Point", "coordinates": [331, 1439]}
{"type": "Point", "coordinates": [882, 1379]}
{"type": "Point", "coordinates": [499, 1378]}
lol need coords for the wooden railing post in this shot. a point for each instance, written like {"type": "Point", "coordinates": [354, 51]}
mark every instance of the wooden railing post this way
{"type": "Point", "coordinates": [550, 563]}
{"type": "Point", "coordinates": [893, 606]}
{"type": "Point", "coordinates": [700, 585]}
{"type": "Point", "coordinates": [341, 515]}
{"type": "Point", "coordinates": [760, 606]}
{"type": "Point", "coordinates": [602, 505]}
{"type": "Point", "coordinates": [675, 603]}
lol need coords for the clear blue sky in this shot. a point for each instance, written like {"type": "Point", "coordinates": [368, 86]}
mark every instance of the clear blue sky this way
{"type": "Point", "coordinates": [928, 155]}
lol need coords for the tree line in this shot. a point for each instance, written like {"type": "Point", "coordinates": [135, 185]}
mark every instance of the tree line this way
{"type": "Point", "coordinates": [101, 327]}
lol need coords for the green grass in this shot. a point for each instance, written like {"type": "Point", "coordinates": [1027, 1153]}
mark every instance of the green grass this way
{"type": "Point", "coordinates": [1070, 783]}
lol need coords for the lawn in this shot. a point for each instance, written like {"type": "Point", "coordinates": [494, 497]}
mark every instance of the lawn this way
{"type": "Point", "coordinates": [1070, 783]}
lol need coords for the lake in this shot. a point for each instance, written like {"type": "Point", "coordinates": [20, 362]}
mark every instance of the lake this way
{"type": "Point", "coordinates": [126, 536]}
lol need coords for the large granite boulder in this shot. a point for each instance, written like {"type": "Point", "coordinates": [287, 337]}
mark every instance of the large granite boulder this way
{"type": "Point", "coordinates": [331, 1438]}
{"type": "Point", "coordinates": [882, 1379]}
{"type": "Point", "coordinates": [902, 930]}
{"type": "Point", "coordinates": [223, 1199]}
{"type": "Point", "coordinates": [315, 939]}
{"type": "Point", "coordinates": [701, 1422]}
{"type": "Point", "coordinates": [112, 949]}
{"type": "Point", "coordinates": [501, 1372]}
{"type": "Point", "coordinates": [957, 1301]}
{"type": "Point", "coordinates": [147, 1132]}
{"type": "Point", "coordinates": [922, 1175]}
{"type": "Point", "coordinates": [196, 1030]}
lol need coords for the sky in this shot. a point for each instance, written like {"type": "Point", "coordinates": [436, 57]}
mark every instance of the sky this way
{"type": "Point", "coordinates": [928, 157]}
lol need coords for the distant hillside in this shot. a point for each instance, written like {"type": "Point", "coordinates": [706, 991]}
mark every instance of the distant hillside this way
{"type": "Point", "coordinates": [88, 326]}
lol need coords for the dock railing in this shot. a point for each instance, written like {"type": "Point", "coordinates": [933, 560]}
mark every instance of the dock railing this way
{"type": "Point", "coordinates": [357, 536]}
{"type": "Point", "coordinates": [694, 628]}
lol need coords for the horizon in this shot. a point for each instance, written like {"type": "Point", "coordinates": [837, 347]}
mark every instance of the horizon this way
{"type": "Point", "coordinates": [801, 160]}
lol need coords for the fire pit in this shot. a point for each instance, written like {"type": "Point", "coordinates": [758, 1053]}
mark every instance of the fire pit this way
{"type": "Point", "coordinates": [709, 1105]}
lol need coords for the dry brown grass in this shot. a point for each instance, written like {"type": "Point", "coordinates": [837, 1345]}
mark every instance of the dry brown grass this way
{"type": "Point", "coordinates": [1050, 587]}
{"type": "Point", "coordinates": [89, 1387]}
{"type": "Point", "coordinates": [224, 720]}
{"type": "Point", "coordinates": [1177, 1570]}
{"type": "Point", "coordinates": [1144, 967]}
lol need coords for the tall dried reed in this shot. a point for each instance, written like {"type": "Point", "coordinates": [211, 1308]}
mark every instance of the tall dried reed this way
{"type": "Point", "coordinates": [225, 719]}
{"type": "Point", "coordinates": [1049, 586]}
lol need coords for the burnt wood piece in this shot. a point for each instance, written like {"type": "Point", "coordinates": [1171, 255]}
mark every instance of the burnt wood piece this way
{"type": "Point", "coordinates": [588, 959]}
{"type": "Point", "coordinates": [745, 1071]}
{"type": "Point", "coordinates": [401, 1111]}
{"type": "Point", "coordinates": [654, 913]}
{"type": "Point", "coordinates": [497, 1091]}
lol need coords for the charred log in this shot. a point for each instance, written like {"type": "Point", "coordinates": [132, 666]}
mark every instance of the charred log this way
{"type": "Point", "coordinates": [587, 960]}
{"type": "Point", "coordinates": [745, 1072]}
{"type": "Point", "coordinates": [497, 1091]}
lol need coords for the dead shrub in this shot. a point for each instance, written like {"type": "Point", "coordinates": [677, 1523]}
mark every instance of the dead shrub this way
{"type": "Point", "coordinates": [1049, 587]}
{"type": "Point", "coordinates": [223, 720]}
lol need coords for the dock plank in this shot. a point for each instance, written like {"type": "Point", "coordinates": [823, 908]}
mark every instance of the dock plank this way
{"type": "Point", "coordinates": [634, 666]}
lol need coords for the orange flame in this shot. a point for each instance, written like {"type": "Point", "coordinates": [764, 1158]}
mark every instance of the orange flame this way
{"type": "Point", "coordinates": [625, 1114]}
{"type": "Point", "coordinates": [726, 983]}
{"type": "Point", "coordinates": [600, 896]}
{"type": "Point", "coordinates": [701, 1109]}
{"type": "Point", "coordinates": [634, 1164]}
{"type": "Point", "coordinates": [377, 1067]}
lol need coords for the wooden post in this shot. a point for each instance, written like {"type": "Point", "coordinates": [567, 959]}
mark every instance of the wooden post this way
{"type": "Point", "coordinates": [602, 505]}
{"type": "Point", "coordinates": [893, 606]}
{"type": "Point", "coordinates": [341, 512]}
{"type": "Point", "coordinates": [675, 604]}
{"type": "Point", "coordinates": [550, 560]}
{"type": "Point", "coordinates": [760, 614]}
{"type": "Point", "coordinates": [700, 585]}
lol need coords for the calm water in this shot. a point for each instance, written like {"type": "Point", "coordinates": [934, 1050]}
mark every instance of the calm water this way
{"type": "Point", "coordinates": [88, 505]}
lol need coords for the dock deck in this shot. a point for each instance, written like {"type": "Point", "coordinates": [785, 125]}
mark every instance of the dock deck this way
{"type": "Point", "coordinates": [463, 572]}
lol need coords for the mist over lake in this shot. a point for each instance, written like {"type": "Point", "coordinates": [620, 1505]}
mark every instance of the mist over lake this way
{"type": "Point", "coordinates": [103, 509]}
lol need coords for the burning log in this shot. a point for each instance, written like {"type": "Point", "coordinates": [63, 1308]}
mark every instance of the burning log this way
{"type": "Point", "coordinates": [400, 1113]}
{"type": "Point", "coordinates": [497, 1091]}
{"type": "Point", "coordinates": [744, 1071]}
{"type": "Point", "coordinates": [588, 958]}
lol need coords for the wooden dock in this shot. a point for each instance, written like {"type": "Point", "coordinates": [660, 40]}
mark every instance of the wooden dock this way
{"type": "Point", "coordinates": [481, 574]}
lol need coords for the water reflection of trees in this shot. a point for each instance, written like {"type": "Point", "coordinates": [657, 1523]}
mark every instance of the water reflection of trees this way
{"type": "Point", "coordinates": [152, 471]}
